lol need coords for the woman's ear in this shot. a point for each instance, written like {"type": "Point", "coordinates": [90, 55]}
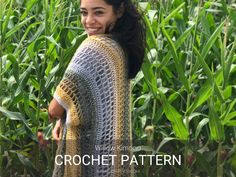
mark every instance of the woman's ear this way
{"type": "Point", "coordinates": [121, 10]}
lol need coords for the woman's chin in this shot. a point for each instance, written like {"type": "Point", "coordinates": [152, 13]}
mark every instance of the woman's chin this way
{"type": "Point", "coordinates": [91, 33]}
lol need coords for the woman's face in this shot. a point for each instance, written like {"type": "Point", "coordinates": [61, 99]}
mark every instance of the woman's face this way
{"type": "Point", "coordinates": [97, 16]}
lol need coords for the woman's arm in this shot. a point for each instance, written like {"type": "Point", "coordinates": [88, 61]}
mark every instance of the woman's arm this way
{"type": "Point", "coordinates": [55, 110]}
{"type": "Point", "coordinates": [56, 130]}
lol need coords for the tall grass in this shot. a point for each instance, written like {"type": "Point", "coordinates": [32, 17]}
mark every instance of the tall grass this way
{"type": "Point", "coordinates": [38, 39]}
{"type": "Point", "coordinates": [183, 99]}
{"type": "Point", "coordinates": [191, 43]}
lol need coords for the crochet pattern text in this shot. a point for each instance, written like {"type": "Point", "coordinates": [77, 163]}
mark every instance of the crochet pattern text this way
{"type": "Point", "coordinates": [124, 159]}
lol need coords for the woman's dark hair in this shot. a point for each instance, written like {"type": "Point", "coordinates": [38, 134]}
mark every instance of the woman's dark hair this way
{"type": "Point", "coordinates": [130, 32]}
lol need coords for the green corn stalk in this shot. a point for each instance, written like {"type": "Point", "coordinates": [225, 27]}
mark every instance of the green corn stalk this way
{"type": "Point", "coordinates": [216, 127]}
{"type": "Point", "coordinates": [204, 93]}
{"type": "Point", "coordinates": [176, 119]}
{"type": "Point", "coordinates": [192, 41]}
{"type": "Point", "coordinates": [149, 75]}
{"type": "Point", "coordinates": [229, 61]}
{"type": "Point", "coordinates": [217, 133]}
{"type": "Point", "coordinates": [177, 61]}
{"type": "Point", "coordinates": [2, 10]}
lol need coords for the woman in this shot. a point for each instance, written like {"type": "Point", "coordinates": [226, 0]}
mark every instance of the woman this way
{"type": "Point", "coordinates": [92, 102]}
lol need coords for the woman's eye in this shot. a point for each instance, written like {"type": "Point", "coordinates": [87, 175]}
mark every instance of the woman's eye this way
{"type": "Point", "coordinates": [99, 12]}
{"type": "Point", "coordinates": [83, 13]}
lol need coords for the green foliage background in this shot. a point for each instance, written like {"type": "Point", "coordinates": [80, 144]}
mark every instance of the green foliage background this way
{"type": "Point", "coordinates": [183, 100]}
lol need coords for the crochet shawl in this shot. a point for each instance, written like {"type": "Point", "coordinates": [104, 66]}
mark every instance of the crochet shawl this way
{"type": "Point", "coordinates": [95, 92]}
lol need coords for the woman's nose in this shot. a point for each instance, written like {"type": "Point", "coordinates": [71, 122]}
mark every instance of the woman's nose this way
{"type": "Point", "coordinates": [90, 19]}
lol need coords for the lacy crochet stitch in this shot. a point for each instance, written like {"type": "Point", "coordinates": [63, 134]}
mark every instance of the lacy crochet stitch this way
{"type": "Point", "coordinates": [95, 91]}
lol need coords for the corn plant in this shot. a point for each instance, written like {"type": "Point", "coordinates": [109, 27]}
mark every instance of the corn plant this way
{"type": "Point", "coordinates": [184, 98]}
{"type": "Point", "coordinates": [38, 39]}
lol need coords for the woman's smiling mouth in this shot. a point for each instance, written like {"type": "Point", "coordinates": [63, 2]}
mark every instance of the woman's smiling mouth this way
{"type": "Point", "coordinates": [92, 31]}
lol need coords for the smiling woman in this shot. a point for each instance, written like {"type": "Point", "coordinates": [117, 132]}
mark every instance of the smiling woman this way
{"type": "Point", "coordinates": [98, 17]}
{"type": "Point", "coordinates": [92, 101]}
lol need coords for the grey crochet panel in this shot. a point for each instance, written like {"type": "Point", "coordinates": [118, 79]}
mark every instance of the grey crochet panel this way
{"type": "Point", "coordinates": [95, 91]}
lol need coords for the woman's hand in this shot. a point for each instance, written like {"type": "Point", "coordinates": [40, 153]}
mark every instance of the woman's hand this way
{"type": "Point", "coordinates": [56, 130]}
{"type": "Point", "coordinates": [55, 110]}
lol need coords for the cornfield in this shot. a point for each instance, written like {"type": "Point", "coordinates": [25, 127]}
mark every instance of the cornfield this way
{"type": "Point", "coordinates": [183, 99]}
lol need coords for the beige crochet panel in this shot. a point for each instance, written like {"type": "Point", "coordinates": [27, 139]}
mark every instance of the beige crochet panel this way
{"type": "Point", "coordinates": [95, 91]}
